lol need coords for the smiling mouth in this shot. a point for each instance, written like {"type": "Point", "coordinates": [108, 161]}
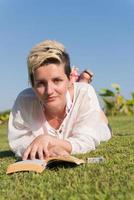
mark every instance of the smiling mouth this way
{"type": "Point", "coordinates": [50, 99]}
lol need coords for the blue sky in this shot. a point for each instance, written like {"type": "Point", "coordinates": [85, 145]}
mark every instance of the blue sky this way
{"type": "Point", "coordinates": [98, 34]}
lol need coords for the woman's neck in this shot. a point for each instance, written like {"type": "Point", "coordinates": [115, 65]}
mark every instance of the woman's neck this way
{"type": "Point", "coordinates": [55, 113]}
{"type": "Point", "coordinates": [58, 114]}
{"type": "Point", "coordinates": [55, 119]}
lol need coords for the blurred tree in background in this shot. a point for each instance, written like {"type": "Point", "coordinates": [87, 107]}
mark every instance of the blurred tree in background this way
{"type": "Point", "coordinates": [115, 103]}
{"type": "Point", "coordinates": [4, 116]}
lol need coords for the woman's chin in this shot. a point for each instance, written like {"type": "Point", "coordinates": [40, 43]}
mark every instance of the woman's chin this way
{"type": "Point", "coordinates": [52, 104]}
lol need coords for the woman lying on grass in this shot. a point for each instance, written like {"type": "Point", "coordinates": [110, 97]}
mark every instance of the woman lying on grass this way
{"type": "Point", "coordinates": [54, 117]}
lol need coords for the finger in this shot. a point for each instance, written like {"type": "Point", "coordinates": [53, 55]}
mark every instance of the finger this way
{"type": "Point", "coordinates": [33, 152]}
{"type": "Point", "coordinates": [46, 152]}
{"type": "Point", "coordinates": [52, 154]}
{"type": "Point", "coordinates": [26, 153]}
{"type": "Point", "coordinates": [40, 153]}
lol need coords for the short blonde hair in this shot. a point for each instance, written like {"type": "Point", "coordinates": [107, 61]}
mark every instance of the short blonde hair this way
{"type": "Point", "coordinates": [45, 52]}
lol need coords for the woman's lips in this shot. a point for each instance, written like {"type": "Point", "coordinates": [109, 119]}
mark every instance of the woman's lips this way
{"type": "Point", "coordinates": [50, 99]}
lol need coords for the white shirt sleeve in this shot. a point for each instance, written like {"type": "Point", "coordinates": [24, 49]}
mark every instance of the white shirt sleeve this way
{"type": "Point", "coordinates": [21, 128]}
{"type": "Point", "coordinates": [19, 136]}
{"type": "Point", "coordinates": [89, 129]}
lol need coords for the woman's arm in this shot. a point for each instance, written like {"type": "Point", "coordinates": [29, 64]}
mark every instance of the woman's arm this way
{"type": "Point", "coordinates": [22, 126]}
{"type": "Point", "coordinates": [44, 146]}
{"type": "Point", "coordinates": [88, 133]}
{"type": "Point", "coordinates": [19, 136]}
{"type": "Point", "coordinates": [90, 125]}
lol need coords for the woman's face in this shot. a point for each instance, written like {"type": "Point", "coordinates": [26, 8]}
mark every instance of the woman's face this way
{"type": "Point", "coordinates": [50, 85]}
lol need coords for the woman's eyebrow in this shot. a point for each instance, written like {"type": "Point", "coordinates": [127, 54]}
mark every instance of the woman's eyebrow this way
{"type": "Point", "coordinates": [44, 80]}
{"type": "Point", "coordinates": [40, 80]}
{"type": "Point", "coordinates": [57, 77]}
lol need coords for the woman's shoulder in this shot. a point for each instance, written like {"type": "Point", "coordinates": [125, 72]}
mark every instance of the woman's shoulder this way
{"type": "Point", "coordinates": [26, 96]}
{"type": "Point", "coordinates": [26, 102]}
{"type": "Point", "coordinates": [27, 93]}
{"type": "Point", "coordinates": [26, 107]}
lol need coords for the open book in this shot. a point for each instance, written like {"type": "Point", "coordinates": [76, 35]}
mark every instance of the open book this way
{"type": "Point", "coordinates": [39, 165]}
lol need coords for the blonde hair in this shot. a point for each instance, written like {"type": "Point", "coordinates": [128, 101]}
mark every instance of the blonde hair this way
{"type": "Point", "coordinates": [44, 52]}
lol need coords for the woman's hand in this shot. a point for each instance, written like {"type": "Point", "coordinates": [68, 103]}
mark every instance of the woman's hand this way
{"type": "Point", "coordinates": [57, 151]}
{"type": "Point", "coordinates": [39, 147]}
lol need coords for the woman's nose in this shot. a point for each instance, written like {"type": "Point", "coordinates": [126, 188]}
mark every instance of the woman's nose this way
{"type": "Point", "coordinates": [50, 88]}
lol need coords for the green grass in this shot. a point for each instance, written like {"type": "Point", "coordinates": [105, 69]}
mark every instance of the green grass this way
{"type": "Point", "coordinates": [111, 180]}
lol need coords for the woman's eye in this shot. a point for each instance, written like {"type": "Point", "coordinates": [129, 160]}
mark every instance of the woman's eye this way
{"type": "Point", "coordinates": [39, 84]}
{"type": "Point", "coordinates": [57, 81]}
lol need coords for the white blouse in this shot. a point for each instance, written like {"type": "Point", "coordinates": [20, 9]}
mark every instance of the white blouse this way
{"type": "Point", "coordinates": [82, 126]}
